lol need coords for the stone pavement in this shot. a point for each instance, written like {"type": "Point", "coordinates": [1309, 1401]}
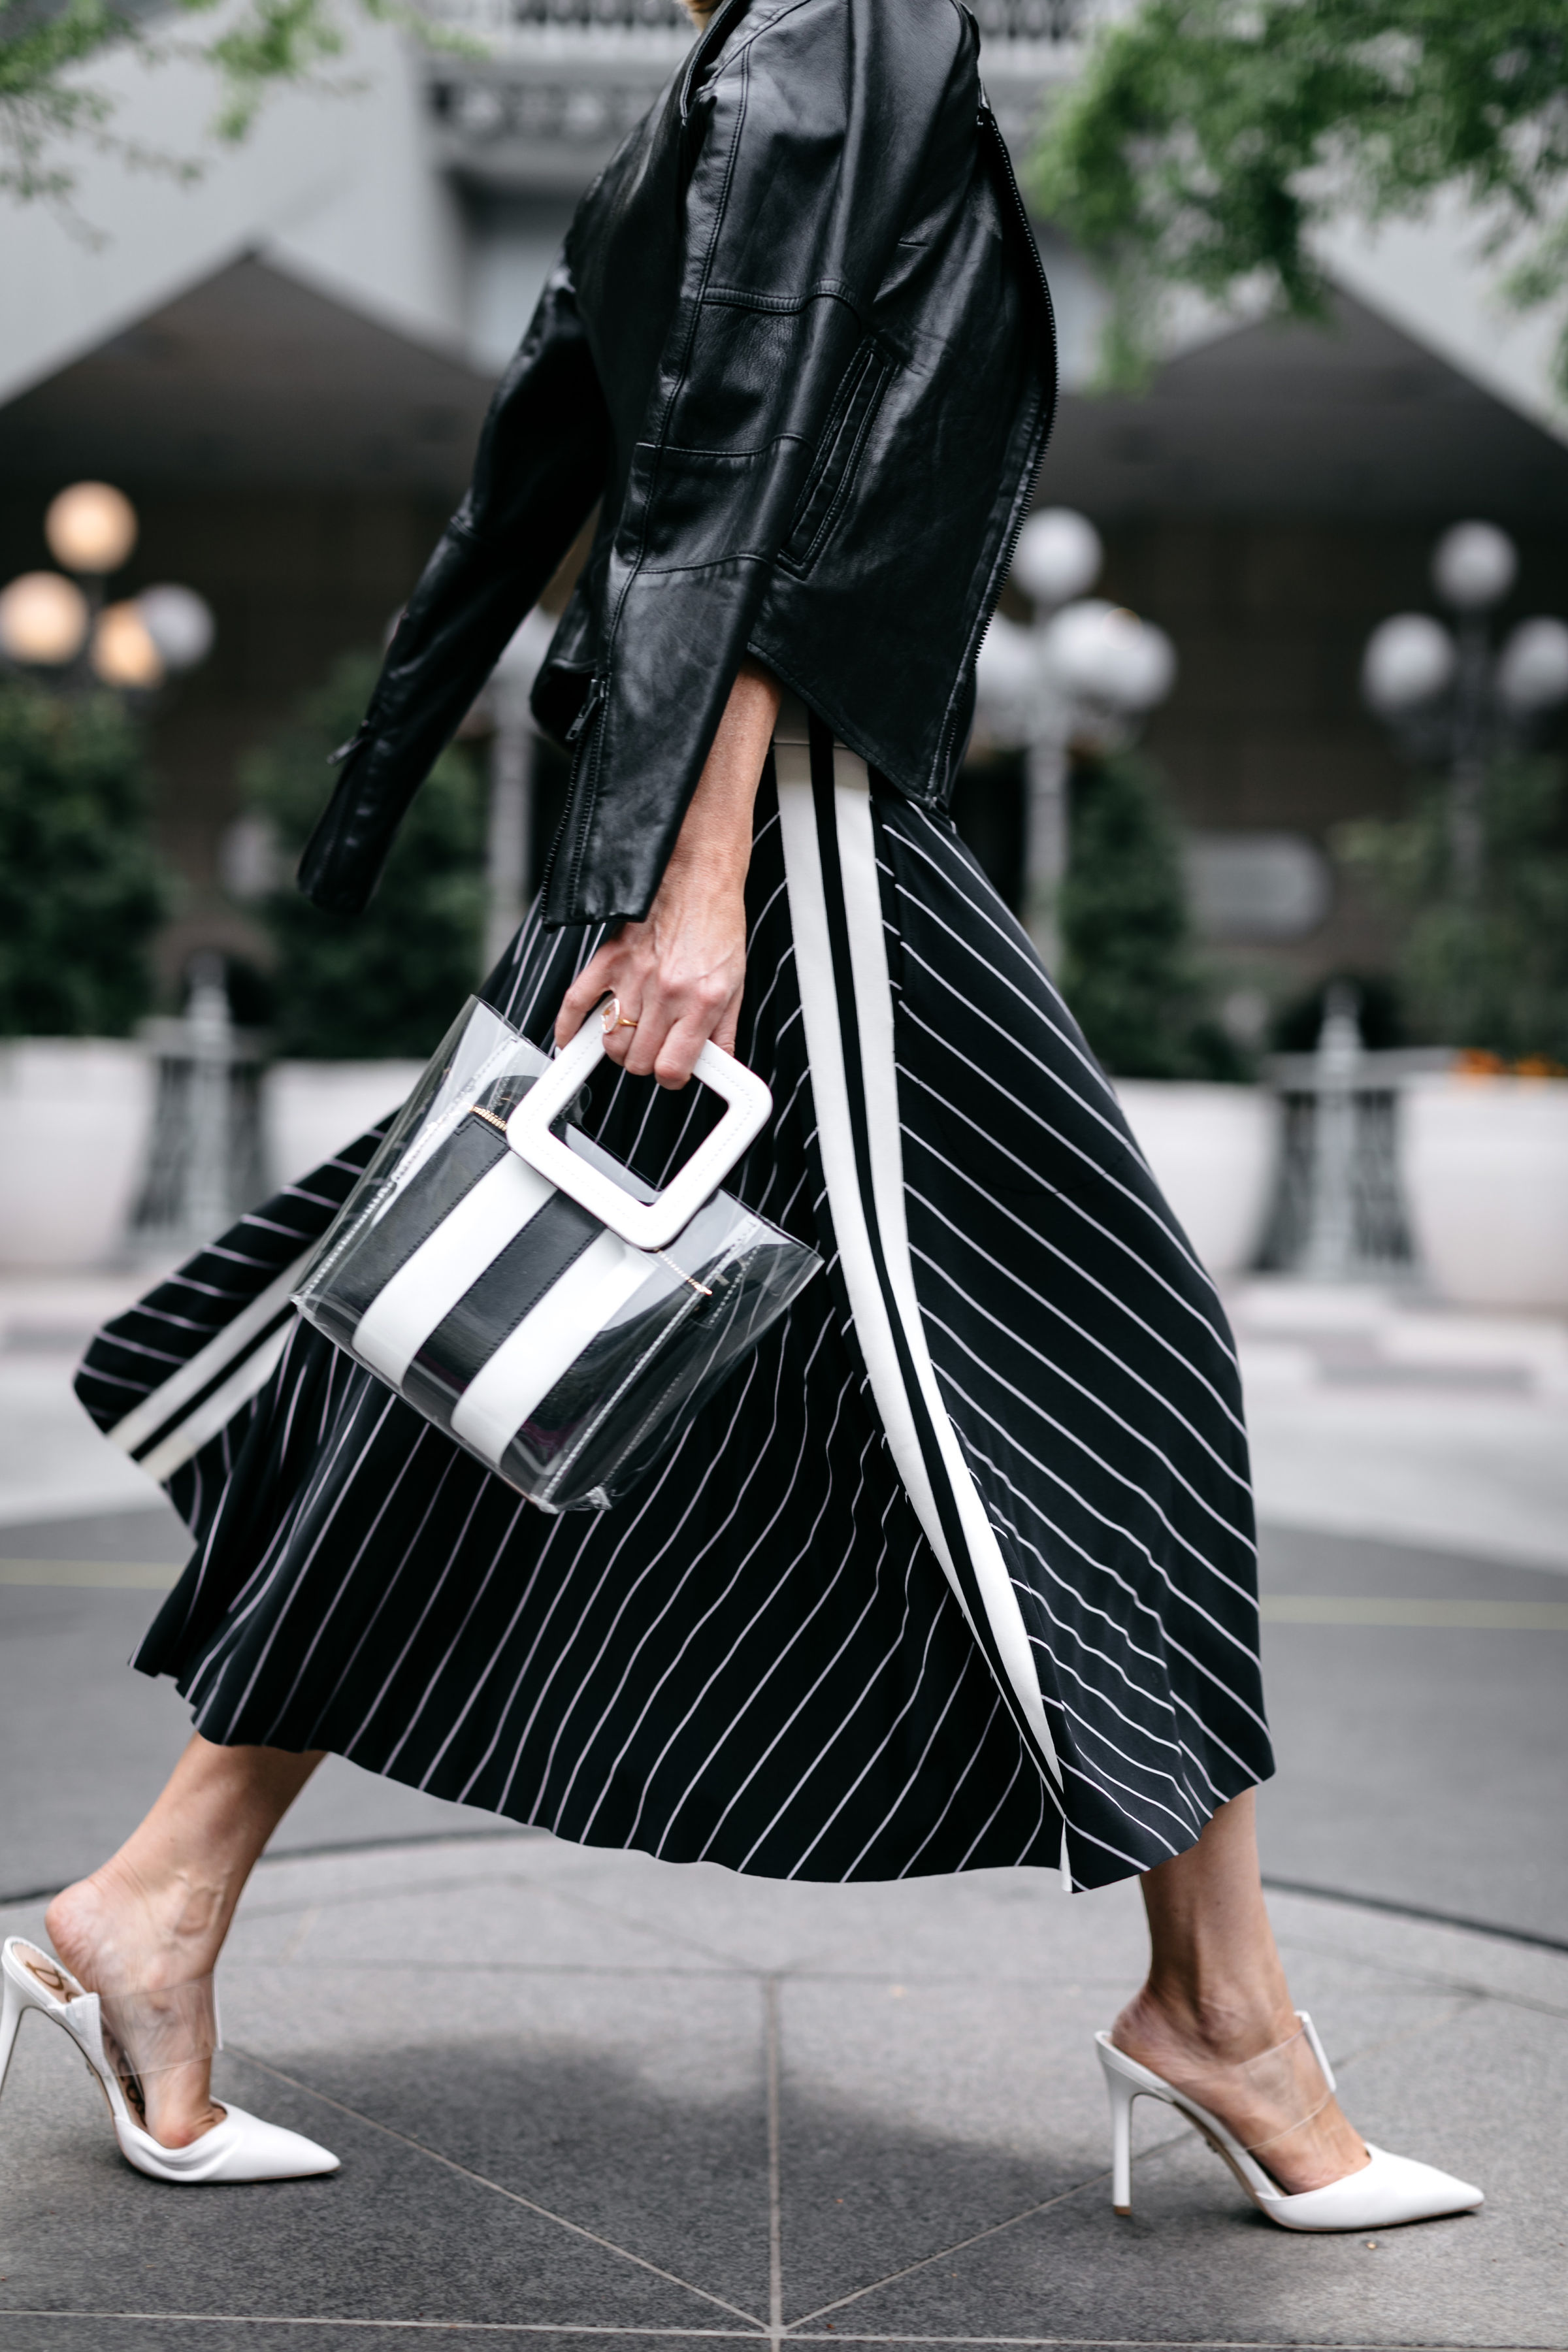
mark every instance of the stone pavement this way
{"type": "Point", "coordinates": [583, 2093]}
{"type": "Point", "coordinates": [588, 2094]}
{"type": "Point", "coordinates": [1382, 1413]}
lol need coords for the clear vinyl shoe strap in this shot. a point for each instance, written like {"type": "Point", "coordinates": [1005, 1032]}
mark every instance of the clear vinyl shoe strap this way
{"type": "Point", "coordinates": [1292, 2079]}
{"type": "Point", "coordinates": [147, 2034]}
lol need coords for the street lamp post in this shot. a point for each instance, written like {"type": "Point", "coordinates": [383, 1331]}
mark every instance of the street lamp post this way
{"type": "Point", "coordinates": [59, 625]}
{"type": "Point", "coordinates": [1450, 701]}
{"type": "Point", "coordinates": [1077, 678]}
{"type": "Point", "coordinates": [1059, 557]}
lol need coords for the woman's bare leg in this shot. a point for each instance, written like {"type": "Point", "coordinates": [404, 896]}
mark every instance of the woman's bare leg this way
{"type": "Point", "coordinates": [156, 1914]}
{"type": "Point", "coordinates": [1215, 1995]}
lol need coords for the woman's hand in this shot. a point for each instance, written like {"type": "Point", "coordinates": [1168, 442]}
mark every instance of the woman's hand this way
{"type": "Point", "coordinates": [678, 977]}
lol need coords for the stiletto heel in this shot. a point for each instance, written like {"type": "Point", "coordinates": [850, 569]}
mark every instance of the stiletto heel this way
{"type": "Point", "coordinates": [10, 2019]}
{"type": "Point", "coordinates": [1387, 2189]}
{"type": "Point", "coordinates": [1121, 2097]}
{"type": "Point", "coordinates": [125, 2040]}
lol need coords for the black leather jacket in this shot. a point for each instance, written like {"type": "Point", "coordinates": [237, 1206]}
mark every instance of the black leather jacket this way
{"type": "Point", "coordinates": [799, 342]}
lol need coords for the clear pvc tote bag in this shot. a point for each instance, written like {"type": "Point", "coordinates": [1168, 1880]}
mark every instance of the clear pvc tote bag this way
{"type": "Point", "coordinates": [526, 1292]}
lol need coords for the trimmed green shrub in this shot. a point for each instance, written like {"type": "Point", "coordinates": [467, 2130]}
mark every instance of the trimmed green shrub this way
{"type": "Point", "coordinates": [1489, 971]}
{"type": "Point", "coordinates": [1128, 971]}
{"type": "Point", "coordinates": [391, 981]}
{"type": "Point", "coordinates": [82, 890]}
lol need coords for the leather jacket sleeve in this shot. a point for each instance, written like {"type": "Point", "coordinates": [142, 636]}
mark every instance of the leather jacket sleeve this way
{"type": "Point", "coordinates": [808, 156]}
{"type": "Point", "coordinates": [541, 461]}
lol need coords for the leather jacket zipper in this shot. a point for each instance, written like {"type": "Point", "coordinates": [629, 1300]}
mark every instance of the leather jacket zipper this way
{"type": "Point", "coordinates": [573, 818]}
{"type": "Point", "coordinates": [597, 689]}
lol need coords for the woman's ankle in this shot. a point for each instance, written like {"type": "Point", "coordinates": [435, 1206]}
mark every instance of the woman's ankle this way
{"type": "Point", "coordinates": [1220, 2025]}
{"type": "Point", "coordinates": [118, 1932]}
{"type": "Point", "coordinates": [1283, 2111]}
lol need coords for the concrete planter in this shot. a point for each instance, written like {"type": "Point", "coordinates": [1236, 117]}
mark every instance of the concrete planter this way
{"type": "Point", "coordinates": [1216, 1151]}
{"type": "Point", "coordinates": [75, 1114]}
{"type": "Point", "coordinates": [311, 1109]}
{"type": "Point", "coordinates": [1485, 1168]}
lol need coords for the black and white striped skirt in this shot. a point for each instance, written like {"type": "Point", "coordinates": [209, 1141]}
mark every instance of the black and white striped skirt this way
{"type": "Point", "coordinates": [956, 1572]}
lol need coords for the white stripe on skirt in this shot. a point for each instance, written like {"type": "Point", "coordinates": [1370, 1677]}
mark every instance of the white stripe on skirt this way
{"type": "Point", "coordinates": [872, 1012]}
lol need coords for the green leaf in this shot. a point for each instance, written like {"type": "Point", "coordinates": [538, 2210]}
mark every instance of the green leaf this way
{"type": "Point", "coordinates": [1490, 968]}
{"type": "Point", "coordinates": [1206, 140]}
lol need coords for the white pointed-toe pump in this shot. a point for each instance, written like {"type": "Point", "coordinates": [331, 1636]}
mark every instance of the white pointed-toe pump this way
{"type": "Point", "coordinates": [1384, 2191]}
{"type": "Point", "coordinates": [123, 2042]}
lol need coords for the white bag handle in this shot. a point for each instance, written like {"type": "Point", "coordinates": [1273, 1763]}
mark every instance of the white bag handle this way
{"type": "Point", "coordinates": [650, 1225]}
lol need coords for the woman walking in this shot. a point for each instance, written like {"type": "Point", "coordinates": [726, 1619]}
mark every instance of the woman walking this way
{"type": "Point", "coordinates": [957, 1569]}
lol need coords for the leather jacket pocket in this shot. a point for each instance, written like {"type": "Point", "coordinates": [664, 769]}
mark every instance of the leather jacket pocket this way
{"type": "Point", "coordinates": [849, 421]}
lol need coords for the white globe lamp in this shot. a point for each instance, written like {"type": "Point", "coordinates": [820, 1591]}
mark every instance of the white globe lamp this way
{"type": "Point", "coordinates": [1409, 660]}
{"type": "Point", "coordinates": [90, 528]}
{"type": "Point", "coordinates": [43, 620]}
{"type": "Point", "coordinates": [1007, 679]}
{"type": "Point", "coordinates": [1058, 556]}
{"type": "Point", "coordinates": [1147, 665]}
{"type": "Point", "coordinates": [123, 654]}
{"type": "Point", "coordinates": [1532, 672]}
{"type": "Point", "coordinates": [1106, 655]}
{"type": "Point", "coordinates": [1474, 566]}
{"type": "Point", "coordinates": [180, 624]}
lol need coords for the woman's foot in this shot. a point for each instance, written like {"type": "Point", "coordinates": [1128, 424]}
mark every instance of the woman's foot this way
{"type": "Point", "coordinates": [1253, 2066]}
{"type": "Point", "coordinates": [145, 1931]}
{"type": "Point", "coordinates": [120, 1938]}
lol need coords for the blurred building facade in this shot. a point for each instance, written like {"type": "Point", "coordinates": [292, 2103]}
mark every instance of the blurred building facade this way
{"type": "Point", "coordinates": [285, 366]}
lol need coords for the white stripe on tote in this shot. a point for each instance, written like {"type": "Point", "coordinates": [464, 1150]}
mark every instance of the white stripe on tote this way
{"type": "Point", "coordinates": [546, 1344]}
{"type": "Point", "coordinates": [428, 1286]}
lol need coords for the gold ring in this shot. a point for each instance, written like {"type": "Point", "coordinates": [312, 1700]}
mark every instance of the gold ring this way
{"type": "Point", "coordinates": [624, 1023]}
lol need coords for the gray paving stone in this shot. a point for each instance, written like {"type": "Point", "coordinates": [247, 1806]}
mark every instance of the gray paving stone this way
{"type": "Point", "coordinates": [939, 2116]}
{"type": "Point", "coordinates": [97, 2330]}
{"type": "Point", "coordinates": [1194, 2260]}
{"type": "Point", "coordinates": [1414, 1951]}
{"type": "Point", "coordinates": [633, 2103]}
{"type": "Point", "coordinates": [395, 2235]}
{"type": "Point", "coordinates": [1200, 2268]}
{"type": "Point", "coordinates": [1379, 1788]}
{"type": "Point", "coordinates": [483, 1910]}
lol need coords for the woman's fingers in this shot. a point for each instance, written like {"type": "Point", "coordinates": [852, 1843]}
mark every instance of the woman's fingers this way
{"type": "Point", "coordinates": [725, 1036]}
{"type": "Point", "coordinates": [672, 1057]}
{"type": "Point", "coordinates": [614, 970]}
{"type": "Point", "coordinates": [584, 995]}
{"type": "Point", "coordinates": [676, 1021]}
{"type": "Point", "coordinates": [670, 993]}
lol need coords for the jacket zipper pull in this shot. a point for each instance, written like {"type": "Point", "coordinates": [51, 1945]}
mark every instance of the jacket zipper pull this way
{"type": "Point", "coordinates": [591, 701]}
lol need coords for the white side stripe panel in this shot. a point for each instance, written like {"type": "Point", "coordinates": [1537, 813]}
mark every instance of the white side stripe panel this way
{"type": "Point", "coordinates": [220, 1407]}
{"type": "Point", "coordinates": [428, 1286]}
{"type": "Point", "coordinates": [874, 1021]}
{"type": "Point", "coordinates": [820, 1008]}
{"type": "Point", "coordinates": [192, 1377]}
{"type": "Point", "coordinates": [546, 1344]}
